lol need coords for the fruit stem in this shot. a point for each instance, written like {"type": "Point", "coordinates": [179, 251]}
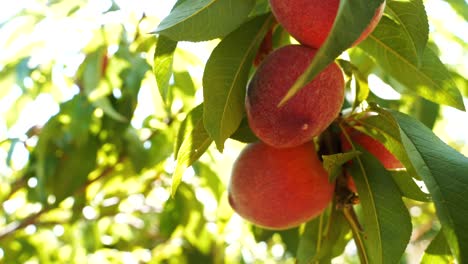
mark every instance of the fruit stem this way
{"type": "Point", "coordinates": [351, 217]}
{"type": "Point", "coordinates": [319, 235]}
{"type": "Point", "coordinates": [356, 228]}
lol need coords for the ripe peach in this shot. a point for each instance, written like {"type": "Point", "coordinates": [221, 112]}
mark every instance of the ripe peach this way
{"type": "Point", "coordinates": [377, 149]}
{"type": "Point", "coordinates": [305, 115]}
{"type": "Point", "coordinates": [279, 188]}
{"type": "Point", "coordinates": [310, 21]}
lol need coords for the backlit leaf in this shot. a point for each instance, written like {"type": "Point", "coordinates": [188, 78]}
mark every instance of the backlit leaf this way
{"type": "Point", "coordinates": [204, 19]}
{"type": "Point", "coordinates": [427, 77]}
{"type": "Point", "coordinates": [194, 143]}
{"type": "Point", "coordinates": [163, 58]}
{"type": "Point", "coordinates": [438, 251]}
{"type": "Point", "coordinates": [412, 20]}
{"type": "Point", "coordinates": [225, 78]}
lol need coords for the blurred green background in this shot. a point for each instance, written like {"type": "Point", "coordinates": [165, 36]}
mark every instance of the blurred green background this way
{"type": "Point", "coordinates": [86, 144]}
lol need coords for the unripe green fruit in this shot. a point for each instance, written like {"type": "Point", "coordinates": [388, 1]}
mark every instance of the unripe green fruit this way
{"type": "Point", "coordinates": [279, 188]}
{"type": "Point", "coordinates": [310, 21]}
{"type": "Point", "coordinates": [305, 115]}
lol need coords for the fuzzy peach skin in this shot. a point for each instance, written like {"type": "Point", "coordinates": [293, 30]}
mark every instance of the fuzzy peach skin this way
{"type": "Point", "coordinates": [279, 188]}
{"type": "Point", "coordinates": [305, 115]}
{"type": "Point", "coordinates": [310, 21]}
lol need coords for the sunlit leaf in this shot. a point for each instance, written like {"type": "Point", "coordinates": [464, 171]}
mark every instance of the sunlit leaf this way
{"type": "Point", "coordinates": [225, 78]}
{"type": "Point", "coordinates": [66, 150]}
{"type": "Point", "coordinates": [163, 59]}
{"type": "Point", "coordinates": [438, 251]}
{"type": "Point", "coordinates": [412, 20]}
{"type": "Point", "coordinates": [425, 76]}
{"type": "Point", "coordinates": [204, 19]}
{"type": "Point", "coordinates": [193, 144]}
{"type": "Point", "coordinates": [137, 153]}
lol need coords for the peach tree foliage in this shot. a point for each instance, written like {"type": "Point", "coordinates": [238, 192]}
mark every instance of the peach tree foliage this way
{"type": "Point", "coordinates": [90, 154]}
{"type": "Point", "coordinates": [400, 50]}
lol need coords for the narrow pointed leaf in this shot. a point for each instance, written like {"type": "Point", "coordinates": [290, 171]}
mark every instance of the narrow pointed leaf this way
{"type": "Point", "coordinates": [195, 142]}
{"type": "Point", "coordinates": [307, 248]}
{"type": "Point", "coordinates": [408, 187]}
{"type": "Point", "coordinates": [163, 59]}
{"type": "Point", "coordinates": [427, 77]}
{"type": "Point", "coordinates": [352, 18]}
{"type": "Point", "coordinates": [438, 251]}
{"type": "Point", "coordinates": [204, 19]}
{"type": "Point", "coordinates": [385, 129]}
{"type": "Point", "coordinates": [383, 215]}
{"type": "Point", "coordinates": [445, 172]}
{"type": "Point", "coordinates": [411, 18]}
{"type": "Point", "coordinates": [225, 78]}
{"type": "Point", "coordinates": [336, 237]}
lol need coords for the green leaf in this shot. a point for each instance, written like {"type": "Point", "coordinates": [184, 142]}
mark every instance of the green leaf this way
{"type": "Point", "coordinates": [187, 126]}
{"type": "Point", "coordinates": [425, 111]}
{"type": "Point", "coordinates": [210, 179]}
{"type": "Point", "coordinates": [135, 150]}
{"type": "Point", "coordinates": [307, 247]}
{"type": "Point", "coordinates": [336, 237]}
{"type": "Point", "coordinates": [204, 19]}
{"type": "Point", "coordinates": [460, 7]}
{"type": "Point", "coordinates": [383, 215]}
{"type": "Point", "coordinates": [226, 75]}
{"type": "Point", "coordinates": [194, 143]}
{"type": "Point", "coordinates": [90, 70]}
{"type": "Point", "coordinates": [360, 81]}
{"type": "Point", "coordinates": [362, 89]}
{"type": "Point", "coordinates": [351, 20]}
{"type": "Point", "coordinates": [11, 149]}
{"type": "Point", "coordinates": [163, 59]}
{"type": "Point", "coordinates": [161, 146]}
{"type": "Point", "coordinates": [385, 129]}
{"type": "Point", "coordinates": [427, 76]}
{"type": "Point", "coordinates": [244, 133]}
{"type": "Point", "coordinates": [333, 163]}
{"type": "Point", "coordinates": [323, 238]}
{"type": "Point", "coordinates": [183, 89]}
{"type": "Point", "coordinates": [411, 18]}
{"type": "Point", "coordinates": [66, 151]}
{"type": "Point", "coordinates": [105, 105]}
{"type": "Point", "coordinates": [438, 252]}
{"type": "Point", "coordinates": [444, 170]}
{"type": "Point", "coordinates": [408, 187]}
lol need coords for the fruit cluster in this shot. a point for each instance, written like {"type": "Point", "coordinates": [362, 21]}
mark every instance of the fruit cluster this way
{"type": "Point", "coordinates": [279, 182]}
